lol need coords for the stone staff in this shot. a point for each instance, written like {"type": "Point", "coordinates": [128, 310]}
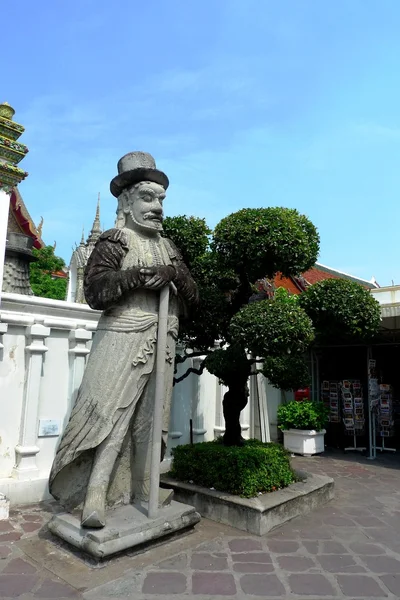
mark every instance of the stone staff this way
{"type": "Point", "coordinates": [162, 333]}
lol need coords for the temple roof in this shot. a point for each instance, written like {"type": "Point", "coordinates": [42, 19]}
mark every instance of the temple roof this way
{"type": "Point", "coordinates": [20, 221]}
{"type": "Point", "coordinates": [318, 272]}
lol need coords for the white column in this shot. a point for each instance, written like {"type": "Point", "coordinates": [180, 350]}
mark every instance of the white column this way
{"type": "Point", "coordinates": [4, 207]}
{"type": "Point", "coordinates": [219, 427]}
{"type": "Point", "coordinates": [203, 396]}
{"type": "Point", "coordinates": [78, 352]}
{"type": "Point", "coordinates": [263, 404]}
{"type": "Point", "coordinates": [245, 420]}
{"type": "Point", "coordinates": [25, 467]}
{"type": "Point", "coordinates": [181, 409]}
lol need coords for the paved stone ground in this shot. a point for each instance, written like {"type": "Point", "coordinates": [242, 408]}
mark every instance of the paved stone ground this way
{"type": "Point", "coordinates": [347, 549]}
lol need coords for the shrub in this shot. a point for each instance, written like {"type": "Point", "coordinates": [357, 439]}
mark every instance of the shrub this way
{"type": "Point", "coordinates": [302, 415]}
{"type": "Point", "coordinates": [287, 372]}
{"type": "Point", "coordinates": [244, 471]}
{"type": "Point", "coordinates": [263, 241]}
{"type": "Point", "coordinates": [273, 327]}
{"type": "Point", "coordinates": [229, 365]}
{"type": "Point", "coordinates": [190, 234]}
{"type": "Point", "coordinates": [341, 310]}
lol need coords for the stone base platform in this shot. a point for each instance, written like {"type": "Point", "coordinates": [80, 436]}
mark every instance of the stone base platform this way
{"type": "Point", "coordinates": [127, 527]}
{"type": "Point", "coordinates": [260, 514]}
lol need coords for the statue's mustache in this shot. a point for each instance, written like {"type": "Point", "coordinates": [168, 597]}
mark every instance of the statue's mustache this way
{"type": "Point", "coordinates": [152, 216]}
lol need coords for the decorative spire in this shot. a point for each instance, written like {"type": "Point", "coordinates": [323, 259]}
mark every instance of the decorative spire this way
{"type": "Point", "coordinates": [83, 237]}
{"type": "Point", "coordinates": [40, 226]}
{"type": "Point", "coordinates": [11, 151]}
{"type": "Point", "coordinates": [96, 229]}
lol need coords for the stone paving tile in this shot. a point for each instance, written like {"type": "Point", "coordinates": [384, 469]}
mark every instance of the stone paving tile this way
{"type": "Point", "coordinates": [51, 590]}
{"type": "Point", "coordinates": [5, 526]}
{"type": "Point", "coordinates": [265, 586]}
{"type": "Point", "coordinates": [295, 563]}
{"type": "Point", "coordinates": [311, 585]}
{"type": "Point", "coordinates": [339, 522]}
{"type": "Point", "coordinates": [5, 551]}
{"type": "Point", "coordinates": [13, 536]}
{"type": "Point", "coordinates": [214, 584]}
{"type": "Point", "coordinates": [176, 562]}
{"type": "Point", "coordinates": [33, 517]}
{"type": "Point", "coordinates": [258, 557]}
{"type": "Point", "coordinates": [13, 585]}
{"type": "Point", "coordinates": [244, 545]}
{"type": "Point", "coordinates": [250, 567]}
{"type": "Point", "coordinates": [333, 548]}
{"type": "Point", "coordinates": [128, 586]}
{"type": "Point", "coordinates": [19, 565]}
{"type": "Point", "coordinates": [208, 562]}
{"type": "Point", "coordinates": [336, 563]}
{"type": "Point", "coordinates": [382, 564]}
{"type": "Point", "coordinates": [392, 582]}
{"type": "Point", "coordinates": [360, 586]}
{"type": "Point", "coordinates": [157, 582]}
{"type": "Point", "coordinates": [311, 547]}
{"type": "Point", "coordinates": [368, 521]}
{"type": "Point", "coordinates": [366, 548]}
{"type": "Point", "coordinates": [31, 526]}
{"type": "Point", "coordinates": [283, 546]}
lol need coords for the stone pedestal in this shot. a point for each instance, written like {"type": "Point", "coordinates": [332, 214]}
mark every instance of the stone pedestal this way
{"type": "Point", "coordinates": [127, 527]}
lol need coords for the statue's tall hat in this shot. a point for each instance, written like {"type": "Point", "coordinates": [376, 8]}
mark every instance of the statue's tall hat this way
{"type": "Point", "coordinates": [135, 167]}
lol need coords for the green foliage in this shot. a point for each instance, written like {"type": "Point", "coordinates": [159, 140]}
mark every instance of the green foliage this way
{"type": "Point", "coordinates": [213, 314]}
{"type": "Point", "coordinates": [42, 283]}
{"type": "Point", "coordinates": [229, 365]}
{"type": "Point", "coordinates": [273, 327]}
{"type": "Point", "coordinates": [245, 471]}
{"type": "Point", "coordinates": [262, 241]}
{"type": "Point", "coordinates": [302, 415]}
{"type": "Point", "coordinates": [287, 372]}
{"type": "Point", "coordinates": [341, 310]}
{"type": "Point", "coordinates": [190, 234]}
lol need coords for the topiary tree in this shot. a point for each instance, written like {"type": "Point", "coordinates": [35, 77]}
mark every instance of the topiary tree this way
{"type": "Point", "coordinates": [341, 311]}
{"type": "Point", "coordinates": [246, 246]}
{"type": "Point", "coordinates": [42, 282]}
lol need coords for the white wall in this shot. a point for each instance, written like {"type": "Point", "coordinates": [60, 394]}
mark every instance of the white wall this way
{"type": "Point", "coordinates": [43, 349]}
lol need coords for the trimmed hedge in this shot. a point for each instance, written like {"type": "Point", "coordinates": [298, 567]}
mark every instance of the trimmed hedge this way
{"type": "Point", "coordinates": [244, 471]}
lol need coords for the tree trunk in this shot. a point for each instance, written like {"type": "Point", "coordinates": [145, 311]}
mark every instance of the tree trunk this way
{"type": "Point", "coordinates": [235, 399]}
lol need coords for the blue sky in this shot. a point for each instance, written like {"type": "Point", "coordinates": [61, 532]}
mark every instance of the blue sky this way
{"type": "Point", "coordinates": [243, 103]}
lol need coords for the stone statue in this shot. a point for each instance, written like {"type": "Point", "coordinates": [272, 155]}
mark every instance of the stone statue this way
{"type": "Point", "coordinates": [104, 455]}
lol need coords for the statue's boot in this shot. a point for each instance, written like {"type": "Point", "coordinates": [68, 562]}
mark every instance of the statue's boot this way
{"type": "Point", "coordinates": [94, 509]}
{"type": "Point", "coordinates": [165, 497]}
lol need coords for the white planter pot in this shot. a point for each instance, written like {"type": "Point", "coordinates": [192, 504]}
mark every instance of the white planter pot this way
{"type": "Point", "coordinates": [305, 442]}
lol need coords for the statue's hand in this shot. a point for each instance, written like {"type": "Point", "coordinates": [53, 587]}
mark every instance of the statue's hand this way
{"type": "Point", "coordinates": [157, 277]}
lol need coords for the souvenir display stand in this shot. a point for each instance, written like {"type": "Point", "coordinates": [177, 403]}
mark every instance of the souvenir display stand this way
{"type": "Point", "coordinates": [345, 402]}
{"type": "Point", "coordinates": [380, 403]}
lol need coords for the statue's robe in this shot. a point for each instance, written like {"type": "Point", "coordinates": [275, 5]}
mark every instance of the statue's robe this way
{"type": "Point", "coordinates": [116, 397]}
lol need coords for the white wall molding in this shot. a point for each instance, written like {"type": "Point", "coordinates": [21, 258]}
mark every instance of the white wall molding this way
{"type": "Point", "coordinates": [26, 450]}
{"type": "Point", "coordinates": [78, 353]}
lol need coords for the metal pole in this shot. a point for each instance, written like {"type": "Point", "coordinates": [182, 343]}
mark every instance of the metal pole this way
{"type": "Point", "coordinates": [158, 402]}
{"type": "Point", "coordinates": [371, 420]}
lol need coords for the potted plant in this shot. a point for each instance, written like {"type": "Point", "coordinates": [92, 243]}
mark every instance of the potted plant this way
{"type": "Point", "coordinates": [303, 425]}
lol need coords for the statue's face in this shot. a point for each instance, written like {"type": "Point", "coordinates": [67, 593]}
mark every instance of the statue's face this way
{"type": "Point", "coordinates": [145, 202]}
